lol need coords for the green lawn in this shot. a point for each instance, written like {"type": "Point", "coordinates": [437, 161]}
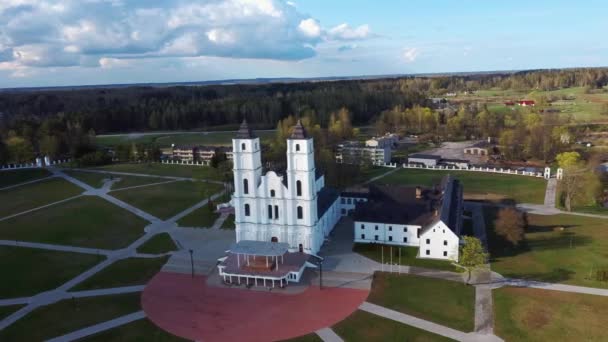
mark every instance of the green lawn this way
{"type": "Point", "coordinates": [83, 222]}
{"type": "Point", "coordinates": [157, 169]}
{"type": "Point", "coordinates": [35, 195]}
{"type": "Point", "coordinates": [13, 177]}
{"type": "Point", "coordinates": [522, 314]}
{"type": "Point", "coordinates": [228, 223]}
{"type": "Point", "coordinates": [572, 255]}
{"type": "Point", "coordinates": [70, 315]}
{"type": "Point", "coordinates": [160, 243]}
{"type": "Point", "coordinates": [130, 181]}
{"type": "Point", "coordinates": [6, 311]}
{"type": "Point", "coordinates": [203, 217]}
{"type": "Point", "coordinates": [125, 272]}
{"type": "Point", "coordinates": [166, 200]}
{"type": "Point", "coordinates": [167, 138]}
{"type": "Point", "coordinates": [366, 327]}
{"type": "Point", "coordinates": [441, 301]}
{"type": "Point", "coordinates": [28, 271]}
{"type": "Point", "coordinates": [141, 330]}
{"type": "Point", "coordinates": [521, 189]}
{"type": "Point", "coordinates": [93, 179]}
{"type": "Point", "coordinates": [408, 256]}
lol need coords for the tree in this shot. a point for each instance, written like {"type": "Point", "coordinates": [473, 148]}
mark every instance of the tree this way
{"type": "Point", "coordinates": [580, 186]}
{"type": "Point", "coordinates": [510, 224]}
{"type": "Point", "coordinates": [20, 150]}
{"type": "Point", "coordinates": [3, 152]}
{"type": "Point", "coordinates": [472, 255]}
{"type": "Point", "coordinates": [568, 159]}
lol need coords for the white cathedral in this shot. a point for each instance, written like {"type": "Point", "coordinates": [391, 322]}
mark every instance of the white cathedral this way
{"type": "Point", "coordinates": [295, 207]}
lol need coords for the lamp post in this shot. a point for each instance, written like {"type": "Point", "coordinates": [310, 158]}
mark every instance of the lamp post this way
{"type": "Point", "coordinates": [192, 261]}
{"type": "Point", "coordinates": [320, 274]}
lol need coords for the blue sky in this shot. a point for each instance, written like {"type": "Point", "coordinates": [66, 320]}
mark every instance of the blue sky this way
{"type": "Point", "coordinates": [71, 42]}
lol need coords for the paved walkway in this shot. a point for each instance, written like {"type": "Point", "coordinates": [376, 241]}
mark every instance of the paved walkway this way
{"type": "Point", "coordinates": [145, 185]}
{"type": "Point", "coordinates": [88, 331]}
{"type": "Point", "coordinates": [328, 335]}
{"type": "Point", "coordinates": [550, 193]}
{"type": "Point", "coordinates": [484, 310]}
{"type": "Point", "coordinates": [26, 183]}
{"type": "Point", "coordinates": [552, 287]}
{"type": "Point", "coordinates": [381, 176]}
{"type": "Point", "coordinates": [53, 247]}
{"type": "Point", "coordinates": [146, 175]}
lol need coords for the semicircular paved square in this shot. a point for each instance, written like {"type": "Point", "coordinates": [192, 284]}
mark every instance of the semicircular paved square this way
{"type": "Point", "coordinates": [189, 308]}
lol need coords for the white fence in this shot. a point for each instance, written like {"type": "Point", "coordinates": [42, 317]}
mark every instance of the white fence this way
{"type": "Point", "coordinates": [37, 164]}
{"type": "Point", "coordinates": [181, 162]}
{"type": "Point", "coordinates": [546, 174]}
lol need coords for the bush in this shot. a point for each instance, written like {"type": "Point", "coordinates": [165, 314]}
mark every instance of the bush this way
{"type": "Point", "coordinates": [97, 158]}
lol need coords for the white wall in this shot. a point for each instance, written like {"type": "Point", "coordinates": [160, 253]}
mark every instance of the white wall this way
{"type": "Point", "coordinates": [386, 231]}
{"type": "Point", "coordinates": [440, 242]}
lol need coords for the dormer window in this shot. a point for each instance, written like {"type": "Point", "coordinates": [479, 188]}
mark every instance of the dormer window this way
{"type": "Point", "coordinates": [297, 147]}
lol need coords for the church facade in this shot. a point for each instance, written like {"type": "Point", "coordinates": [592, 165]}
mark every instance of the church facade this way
{"type": "Point", "coordinates": [293, 207]}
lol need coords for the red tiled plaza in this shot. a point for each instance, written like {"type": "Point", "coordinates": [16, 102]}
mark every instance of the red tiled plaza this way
{"type": "Point", "coordinates": [189, 308]}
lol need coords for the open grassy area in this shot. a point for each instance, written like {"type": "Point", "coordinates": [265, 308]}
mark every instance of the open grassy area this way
{"type": "Point", "coordinates": [141, 330]}
{"type": "Point", "coordinates": [228, 223]}
{"type": "Point", "coordinates": [187, 171]}
{"type": "Point", "coordinates": [13, 177]}
{"type": "Point", "coordinates": [93, 179]}
{"type": "Point", "coordinates": [560, 248]}
{"type": "Point", "coordinates": [408, 256]}
{"type": "Point", "coordinates": [130, 181]}
{"type": "Point", "coordinates": [217, 138]}
{"type": "Point", "coordinates": [441, 301]}
{"type": "Point", "coordinates": [160, 243]}
{"type": "Point", "coordinates": [125, 272]}
{"type": "Point", "coordinates": [35, 195]}
{"type": "Point", "coordinates": [28, 271]}
{"type": "Point", "coordinates": [521, 189]}
{"type": "Point", "coordinates": [363, 326]}
{"type": "Point", "coordinates": [70, 315]}
{"type": "Point", "coordinates": [6, 311]}
{"type": "Point", "coordinates": [166, 200]}
{"type": "Point", "coordinates": [523, 314]}
{"type": "Point", "coordinates": [202, 217]}
{"type": "Point", "coordinates": [83, 222]}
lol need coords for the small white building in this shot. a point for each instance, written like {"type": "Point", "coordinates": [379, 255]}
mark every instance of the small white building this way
{"type": "Point", "coordinates": [355, 153]}
{"type": "Point", "coordinates": [428, 160]}
{"type": "Point", "coordinates": [430, 219]}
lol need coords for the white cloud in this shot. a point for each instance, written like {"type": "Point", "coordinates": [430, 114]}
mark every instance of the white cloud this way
{"type": "Point", "coordinates": [310, 27]}
{"type": "Point", "coordinates": [109, 63]}
{"type": "Point", "coordinates": [345, 32]}
{"type": "Point", "coordinates": [410, 54]}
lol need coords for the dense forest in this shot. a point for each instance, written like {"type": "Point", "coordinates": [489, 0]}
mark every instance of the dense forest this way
{"type": "Point", "coordinates": [62, 122]}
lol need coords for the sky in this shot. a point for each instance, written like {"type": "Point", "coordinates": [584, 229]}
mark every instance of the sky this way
{"type": "Point", "coordinates": [79, 42]}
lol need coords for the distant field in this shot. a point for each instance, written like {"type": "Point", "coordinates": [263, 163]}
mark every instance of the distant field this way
{"type": "Point", "coordinates": [35, 195]}
{"type": "Point", "coordinates": [521, 189]}
{"type": "Point", "coordinates": [83, 222]}
{"type": "Point", "coordinates": [539, 315]}
{"type": "Point", "coordinates": [158, 169]}
{"type": "Point", "coordinates": [572, 255]}
{"type": "Point", "coordinates": [182, 138]}
{"type": "Point", "coordinates": [13, 177]}
{"type": "Point", "coordinates": [141, 330]}
{"type": "Point", "coordinates": [28, 271]}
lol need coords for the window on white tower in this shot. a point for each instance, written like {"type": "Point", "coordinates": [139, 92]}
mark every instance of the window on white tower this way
{"type": "Point", "coordinates": [245, 186]}
{"type": "Point", "coordinates": [243, 147]}
{"type": "Point", "coordinates": [276, 212]}
{"type": "Point", "coordinates": [247, 210]}
{"type": "Point", "coordinates": [270, 212]}
{"type": "Point", "coordinates": [297, 147]}
{"type": "Point", "coordinates": [300, 213]}
{"type": "Point", "coordinates": [272, 193]}
{"type": "Point", "coordinates": [298, 188]}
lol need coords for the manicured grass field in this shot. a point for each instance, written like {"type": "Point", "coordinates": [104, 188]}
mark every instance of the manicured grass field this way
{"type": "Point", "coordinates": [188, 171]}
{"type": "Point", "coordinates": [167, 138]}
{"type": "Point", "coordinates": [95, 180]}
{"type": "Point", "coordinates": [83, 222]}
{"type": "Point", "coordinates": [35, 195]}
{"type": "Point", "coordinates": [573, 255]}
{"type": "Point", "coordinates": [130, 181]}
{"type": "Point", "coordinates": [160, 243]}
{"type": "Point", "coordinates": [13, 177]}
{"type": "Point", "coordinates": [202, 217]}
{"type": "Point", "coordinates": [70, 315]}
{"type": "Point", "coordinates": [523, 314]}
{"type": "Point", "coordinates": [363, 326]}
{"type": "Point", "coordinates": [441, 301]}
{"type": "Point", "coordinates": [408, 256]}
{"type": "Point", "coordinates": [141, 330]}
{"type": "Point", "coordinates": [6, 311]}
{"type": "Point", "coordinates": [521, 189]}
{"type": "Point", "coordinates": [228, 223]}
{"type": "Point", "coordinates": [166, 200]}
{"type": "Point", "coordinates": [125, 272]}
{"type": "Point", "coordinates": [28, 271]}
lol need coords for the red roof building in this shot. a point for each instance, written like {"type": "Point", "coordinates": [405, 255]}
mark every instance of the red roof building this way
{"type": "Point", "coordinates": [526, 103]}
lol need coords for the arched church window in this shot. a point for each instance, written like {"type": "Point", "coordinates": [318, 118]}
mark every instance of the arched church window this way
{"type": "Point", "coordinates": [276, 212]}
{"type": "Point", "coordinates": [245, 186]}
{"type": "Point", "coordinates": [299, 188]}
{"type": "Point", "coordinates": [247, 210]}
{"type": "Point", "coordinates": [270, 212]}
{"type": "Point", "coordinates": [243, 147]}
{"type": "Point", "coordinates": [300, 213]}
{"type": "Point", "coordinates": [272, 193]}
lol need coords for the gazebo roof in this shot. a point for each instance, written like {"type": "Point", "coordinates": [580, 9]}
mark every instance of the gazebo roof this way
{"type": "Point", "coordinates": [259, 248]}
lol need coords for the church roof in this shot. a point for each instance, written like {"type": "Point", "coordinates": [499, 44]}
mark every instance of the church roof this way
{"type": "Point", "coordinates": [299, 132]}
{"type": "Point", "coordinates": [244, 131]}
{"type": "Point", "coordinates": [325, 198]}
